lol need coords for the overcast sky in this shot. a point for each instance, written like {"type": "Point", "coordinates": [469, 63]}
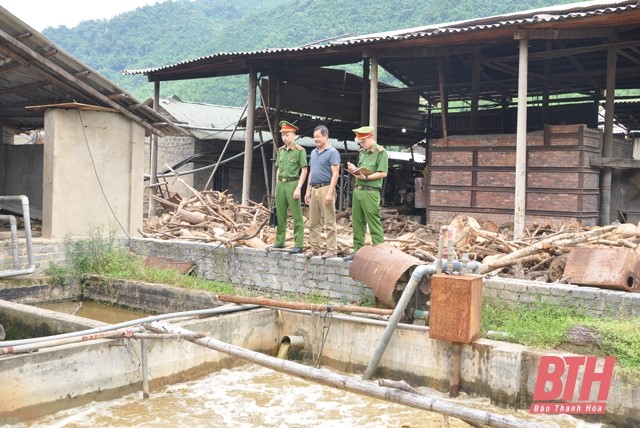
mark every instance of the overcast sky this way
{"type": "Point", "coordinates": [40, 14]}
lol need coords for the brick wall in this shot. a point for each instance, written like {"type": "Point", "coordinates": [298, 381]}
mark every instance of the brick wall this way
{"type": "Point", "coordinates": [274, 271]}
{"type": "Point", "coordinates": [45, 252]}
{"type": "Point", "coordinates": [596, 302]}
{"type": "Point", "coordinates": [475, 175]}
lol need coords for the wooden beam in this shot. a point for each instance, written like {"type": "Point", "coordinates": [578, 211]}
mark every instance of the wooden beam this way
{"type": "Point", "coordinates": [602, 162]}
{"type": "Point", "coordinates": [65, 76]}
{"type": "Point", "coordinates": [557, 34]}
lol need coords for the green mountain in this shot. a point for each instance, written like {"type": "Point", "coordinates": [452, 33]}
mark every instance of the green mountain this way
{"type": "Point", "coordinates": [179, 30]}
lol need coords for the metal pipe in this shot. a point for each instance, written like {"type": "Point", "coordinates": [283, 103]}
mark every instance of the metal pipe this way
{"type": "Point", "coordinates": [27, 234]}
{"type": "Point", "coordinates": [213, 311]}
{"type": "Point", "coordinates": [416, 276]}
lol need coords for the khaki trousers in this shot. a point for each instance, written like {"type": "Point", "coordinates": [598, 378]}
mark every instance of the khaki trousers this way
{"type": "Point", "coordinates": [320, 214]}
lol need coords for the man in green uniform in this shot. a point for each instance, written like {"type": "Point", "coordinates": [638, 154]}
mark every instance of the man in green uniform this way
{"type": "Point", "coordinates": [291, 164]}
{"type": "Point", "coordinates": [373, 165]}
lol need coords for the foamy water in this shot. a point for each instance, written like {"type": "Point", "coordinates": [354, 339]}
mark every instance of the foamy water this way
{"type": "Point", "coordinates": [253, 396]}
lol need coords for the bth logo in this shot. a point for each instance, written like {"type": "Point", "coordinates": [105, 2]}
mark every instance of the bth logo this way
{"type": "Point", "coordinates": [553, 395]}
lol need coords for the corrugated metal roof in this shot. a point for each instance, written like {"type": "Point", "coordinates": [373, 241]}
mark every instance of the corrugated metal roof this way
{"type": "Point", "coordinates": [551, 13]}
{"type": "Point", "coordinates": [205, 121]}
{"type": "Point", "coordinates": [548, 14]}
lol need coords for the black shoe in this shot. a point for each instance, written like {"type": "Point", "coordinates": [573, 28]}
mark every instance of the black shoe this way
{"type": "Point", "coordinates": [274, 246]}
{"type": "Point", "coordinates": [295, 250]}
{"type": "Point", "coordinates": [349, 257]}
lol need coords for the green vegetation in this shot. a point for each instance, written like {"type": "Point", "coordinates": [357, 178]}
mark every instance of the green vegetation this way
{"type": "Point", "coordinates": [101, 255]}
{"type": "Point", "coordinates": [545, 326]}
{"type": "Point", "coordinates": [180, 30]}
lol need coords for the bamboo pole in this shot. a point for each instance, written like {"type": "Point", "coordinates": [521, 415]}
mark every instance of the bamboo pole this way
{"type": "Point", "coordinates": [352, 384]}
{"type": "Point", "coordinates": [262, 301]}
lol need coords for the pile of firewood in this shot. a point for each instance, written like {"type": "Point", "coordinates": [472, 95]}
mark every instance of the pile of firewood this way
{"type": "Point", "coordinates": [212, 216]}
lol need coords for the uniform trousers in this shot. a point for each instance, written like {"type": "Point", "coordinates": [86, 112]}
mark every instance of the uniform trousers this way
{"type": "Point", "coordinates": [365, 210]}
{"type": "Point", "coordinates": [284, 201]}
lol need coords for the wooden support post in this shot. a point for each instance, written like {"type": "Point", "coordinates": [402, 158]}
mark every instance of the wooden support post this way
{"type": "Point", "coordinates": [520, 196]}
{"type": "Point", "coordinates": [248, 138]}
{"type": "Point", "coordinates": [443, 100]}
{"type": "Point", "coordinates": [607, 148]}
{"type": "Point", "coordinates": [373, 96]}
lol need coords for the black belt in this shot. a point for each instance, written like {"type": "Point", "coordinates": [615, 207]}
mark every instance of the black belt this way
{"type": "Point", "coordinates": [362, 187]}
{"type": "Point", "coordinates": [315, 186]}
{"type": "Point", "coordinates": [287, 179]}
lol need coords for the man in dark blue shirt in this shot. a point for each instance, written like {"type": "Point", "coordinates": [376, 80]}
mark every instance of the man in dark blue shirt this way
{"type": "Point", "coordinates": [324, 164]}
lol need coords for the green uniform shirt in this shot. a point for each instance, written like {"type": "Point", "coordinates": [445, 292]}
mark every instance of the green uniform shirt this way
{"type": "Point", "coordinates": [375, 159]}
{"type": "Point", "coordinates": [291, 161]}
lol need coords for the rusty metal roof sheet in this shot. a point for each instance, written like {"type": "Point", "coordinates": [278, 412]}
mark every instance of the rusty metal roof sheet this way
{"type": "Point", "coordinates": [36, 72]}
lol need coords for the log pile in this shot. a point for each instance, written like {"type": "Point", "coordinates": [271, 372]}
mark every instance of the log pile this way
{"type": "Point", "coordinates": [214, 217]}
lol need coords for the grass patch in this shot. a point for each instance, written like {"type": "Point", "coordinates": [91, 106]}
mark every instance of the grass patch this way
{"type": "Point", "coordinates": [100, 254]}
{"type": "Point", "coordinates": [545, 326]}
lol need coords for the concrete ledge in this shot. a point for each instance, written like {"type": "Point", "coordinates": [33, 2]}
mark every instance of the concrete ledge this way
{"type": "Point", "coordinates": [150, 298]}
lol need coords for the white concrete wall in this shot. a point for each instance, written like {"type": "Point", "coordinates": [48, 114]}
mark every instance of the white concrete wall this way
{"type": "Point", "coordinates": [93, 167]}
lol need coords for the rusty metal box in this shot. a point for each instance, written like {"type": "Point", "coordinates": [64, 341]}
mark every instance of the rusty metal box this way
{"type": "Point", "coordinates": [456, 307]}
{"type": "Point", "coordinates": [610, 267]}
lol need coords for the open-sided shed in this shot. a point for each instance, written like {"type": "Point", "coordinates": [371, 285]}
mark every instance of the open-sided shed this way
{"type": "Point", "coordinates": [518, 72]}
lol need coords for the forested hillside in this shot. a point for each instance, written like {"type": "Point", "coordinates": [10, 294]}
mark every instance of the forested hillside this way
{"type": "Point", "coordinates": [178, 30]}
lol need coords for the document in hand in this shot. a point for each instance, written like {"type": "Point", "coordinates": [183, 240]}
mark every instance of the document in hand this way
{"type": "Point", "coordinates": [362, 170]}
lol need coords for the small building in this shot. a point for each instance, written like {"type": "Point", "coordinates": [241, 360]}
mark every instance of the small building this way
{"type": "Point", "coordinates": [87, 174]}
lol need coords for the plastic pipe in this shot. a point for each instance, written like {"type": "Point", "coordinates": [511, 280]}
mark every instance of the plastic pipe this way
{"type": "Point", "coordinates": [297, 342]}
{"type": "Point", "coordinates": [213, 311]}
{"type": "Point", "coordinates": [416, 276]}
{"type": "Point", "coordinates": [145, 368]}
{"type": "Point", "coordinates": [14, 238]}
{"type": "Point", "coordinates": [27, 234]}
{"type": "Point", "coordinates": [440, 245]}
{"type": "Point", "coordinates": [450, 249]}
